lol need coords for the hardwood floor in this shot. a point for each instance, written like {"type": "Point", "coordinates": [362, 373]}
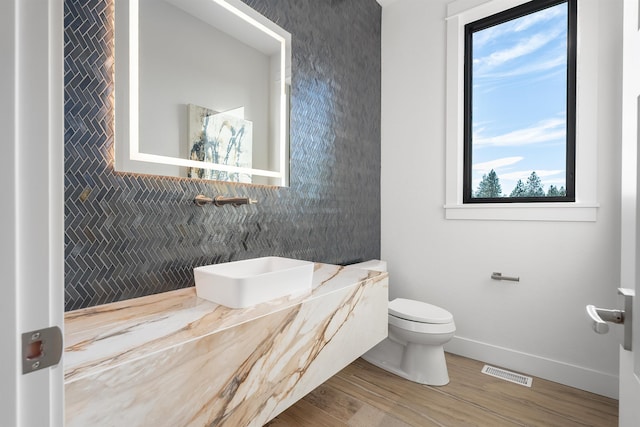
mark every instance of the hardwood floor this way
{"type": "Point", "coordinates": [364, 395]}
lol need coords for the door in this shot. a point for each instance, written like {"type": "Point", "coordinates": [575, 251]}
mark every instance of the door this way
{"type": "Point", "coordinates": [31, 207]}
{"type": "Point", "coordinates": [630, 220]}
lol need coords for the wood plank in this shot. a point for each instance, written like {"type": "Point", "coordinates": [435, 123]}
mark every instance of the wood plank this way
{"type": "Point", "coordinates": [545, 403]}
{"type": "Point", "coordinates": [364, 395]}
{"type": "Point", "coordinates": [430, 402]}
{"type": "Point", "coordinates": [352, 411]}
{"type": "Point", "coordinates": [305, 414]}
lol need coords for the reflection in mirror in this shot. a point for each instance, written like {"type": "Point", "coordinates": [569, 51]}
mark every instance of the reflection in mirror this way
{"type": "Point", "coordinates": [201, 91]}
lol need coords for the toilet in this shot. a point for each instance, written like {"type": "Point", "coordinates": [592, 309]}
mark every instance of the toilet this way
{"type": "Point", "coordinates": [417, 333]}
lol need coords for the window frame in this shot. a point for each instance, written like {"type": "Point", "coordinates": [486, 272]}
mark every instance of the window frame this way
{"type": "Point", "coordinates": [589, 54]}
{"type": "Point", "coordinates": [570, 140]}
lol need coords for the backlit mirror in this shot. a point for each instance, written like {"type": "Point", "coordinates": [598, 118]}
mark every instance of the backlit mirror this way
{"type": "Point", "coordinates": [201, 91]}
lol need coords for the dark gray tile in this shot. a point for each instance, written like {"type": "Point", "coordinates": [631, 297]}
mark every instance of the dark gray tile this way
{"type": "Point", "coordinates": [128, 235]}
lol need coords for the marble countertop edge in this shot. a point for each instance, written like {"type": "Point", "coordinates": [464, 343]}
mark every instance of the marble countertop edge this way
{"type": "Point", "coordinates": [181, 317]}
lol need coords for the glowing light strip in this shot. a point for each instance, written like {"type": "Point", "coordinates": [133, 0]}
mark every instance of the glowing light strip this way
{"type": "Point", "coordinates": [156, 158]}
{"type": "Point", "coordinates": [283, 112]}
{"type": "Point", "coordinates": [250, 20]}
{"type": "Point", "coordinates": [133, 80]}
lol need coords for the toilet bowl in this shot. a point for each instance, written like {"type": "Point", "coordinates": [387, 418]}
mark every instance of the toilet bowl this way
{"type": "Point", "coordinates": [417, 333]}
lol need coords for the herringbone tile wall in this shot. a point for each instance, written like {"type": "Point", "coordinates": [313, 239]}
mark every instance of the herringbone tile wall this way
{"type": "Point", "coordinates": [133, 235]}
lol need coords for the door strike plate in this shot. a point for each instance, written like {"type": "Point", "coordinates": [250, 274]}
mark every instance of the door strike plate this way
{"type": "Point", "coordinates": [41, 349]}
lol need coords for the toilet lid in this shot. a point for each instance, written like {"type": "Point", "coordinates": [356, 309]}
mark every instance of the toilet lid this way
{"type": "Point", "coordinates": [419, 311]}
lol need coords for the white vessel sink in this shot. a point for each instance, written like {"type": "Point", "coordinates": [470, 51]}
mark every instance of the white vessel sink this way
{"type": "Point", "coordinates": [241, 284]}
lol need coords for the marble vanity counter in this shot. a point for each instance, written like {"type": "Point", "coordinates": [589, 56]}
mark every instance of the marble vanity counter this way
{"type": "Point", "coordinates": [176, 359]}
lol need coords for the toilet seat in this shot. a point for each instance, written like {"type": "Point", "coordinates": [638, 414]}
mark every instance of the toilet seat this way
{"type": "Point", "coordinates": [418, 311]}
{"type": "Point", "coordinates": [423, 328]}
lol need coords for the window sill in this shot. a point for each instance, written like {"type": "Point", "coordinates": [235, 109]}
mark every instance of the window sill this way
{"type": "Point", "coordinates": [572, 212]}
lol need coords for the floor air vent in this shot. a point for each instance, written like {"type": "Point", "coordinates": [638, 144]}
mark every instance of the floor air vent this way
{"type": "Point", "coordinates": [507, 375]}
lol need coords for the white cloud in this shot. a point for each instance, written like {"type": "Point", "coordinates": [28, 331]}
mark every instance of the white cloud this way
{"type": "Point", "coordinates": [523, 47]}
{"type": "Point", "coordinates": [496, 164]}
{"type": "Point", "coordinates": [530, 67]}
{"type": "Point", "coordinates": [544, 15]}
{"type": "Point", "coordinates": [543, 131]}
{"type": "Point", "coordinates": [490, 34]}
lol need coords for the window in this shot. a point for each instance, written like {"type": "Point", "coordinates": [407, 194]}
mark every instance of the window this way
{"type": "Point", "coordinates": [520, 104]}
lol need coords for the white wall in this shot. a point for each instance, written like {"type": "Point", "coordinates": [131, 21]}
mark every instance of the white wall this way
{"type": "Point", "coordinates": [537, 326]}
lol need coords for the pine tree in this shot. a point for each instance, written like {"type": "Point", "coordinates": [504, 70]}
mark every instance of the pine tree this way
{"type": "Point", "coordinates": [562, 192]}
{"type": "Point", "coordinates": [553, 191]}
{"type": "Point", "coordinates": [519, 190]}
{"type": "Point", "coordinates": [533, 188]}
{"type": "Point", "coordinates": [489, 186]}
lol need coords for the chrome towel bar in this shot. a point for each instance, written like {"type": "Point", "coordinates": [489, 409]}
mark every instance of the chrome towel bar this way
{"type": "Point", "coordinates": [499, 276]}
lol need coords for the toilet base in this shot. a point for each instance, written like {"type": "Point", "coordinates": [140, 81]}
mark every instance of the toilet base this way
{"type": "Point", "coordinates": [415, 362]}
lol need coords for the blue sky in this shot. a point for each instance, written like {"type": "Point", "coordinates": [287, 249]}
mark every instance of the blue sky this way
{"type": "Point", "coordinates": [519, 99]}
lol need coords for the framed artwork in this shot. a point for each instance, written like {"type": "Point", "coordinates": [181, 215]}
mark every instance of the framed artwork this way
{"type": "Point", "coordinates": [219, 138]}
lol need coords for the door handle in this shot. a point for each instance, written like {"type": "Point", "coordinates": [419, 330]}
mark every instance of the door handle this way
{"type": "Point", "coordinates": [601, 317]}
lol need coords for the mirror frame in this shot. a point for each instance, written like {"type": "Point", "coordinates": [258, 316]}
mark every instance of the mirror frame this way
{"type": "Point", "coordinates": [127, 138]}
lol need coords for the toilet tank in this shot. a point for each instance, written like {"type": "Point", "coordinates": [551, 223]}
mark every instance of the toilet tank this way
{"type": "Point", "coordinates": [373, 264]}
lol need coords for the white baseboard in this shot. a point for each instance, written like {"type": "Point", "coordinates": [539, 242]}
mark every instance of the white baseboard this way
{"type": "Point", "coordinates": [574, 376]}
